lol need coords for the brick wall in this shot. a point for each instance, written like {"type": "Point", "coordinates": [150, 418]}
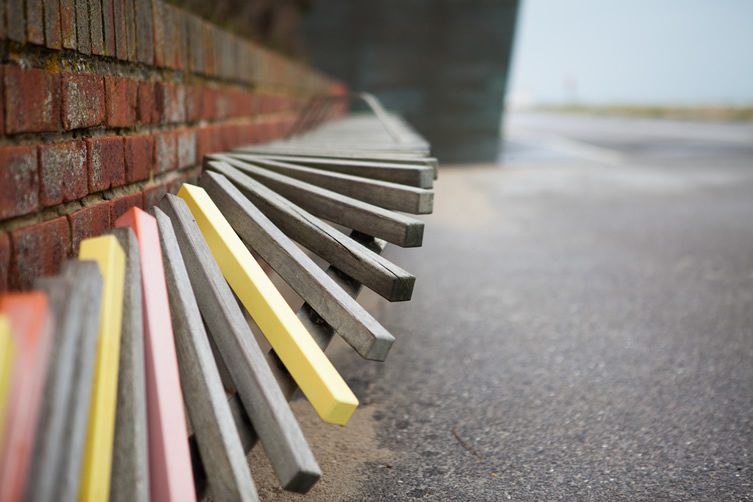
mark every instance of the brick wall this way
{"type": "Point", "coordinates": [108, 104]}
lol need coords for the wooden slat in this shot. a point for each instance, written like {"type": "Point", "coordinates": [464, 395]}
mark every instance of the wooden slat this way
{"type": "Point", "coordinates": [380, 193]}
{"type": "Point", "coordinates": [347, 316]}
{"type": "Point", "coordinates": [7, 357]}
{"type": "Point", "coordinates": [170, 471]}
{"type": "Point", "coordinates": [130, 463]}
{"type": "Point", "coordinates": [221, 451]}
{"type": "Point", "coordinates": [318, 379]}
{"type": "Point", "coordinates": [32, 329]}
{"type": "Point", "coordinates": [95, 473]}
{"type": "Point", "coordinates": [416, 175]}
{"type": "Point", "coordinates": [283, 441]}
{"type": "Point", "coordinates": [372, 270]}
{"type": "Point", "coordinates": [46, 460]}
{"type": "Point", "coordinates": [347, 211]}
{"type": "Point", "coordinates": [87, 285]}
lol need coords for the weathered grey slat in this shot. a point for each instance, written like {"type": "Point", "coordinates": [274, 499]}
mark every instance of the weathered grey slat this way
{"type": "Point", "coordinates": [380, 193]}
{"type": "Point", "coordinates": [283, 441]}
{"type": "Point", "coordinates": [319, 330]}
{"type": "Point", "coordinates": [347, 211]}
{"type": "Point", "coordinates": [378, 274]}
{"type": "Point", "coordinates": [354, 324]}
{"type": "Point", "coordinates": [221, 451]}
{"type": "Point", "coordinates": [87, 283]}
{"type": "Point", "coordinates": [293, 149]}
{"type": "Point", "coordinates": [417, 175]}
{"type": "Point", "coordinates": [45, 464]}
{"type": "Point", "coordinates": [129, 479]}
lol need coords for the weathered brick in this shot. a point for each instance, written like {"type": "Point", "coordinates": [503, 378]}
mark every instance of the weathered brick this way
{"type": "Point", "coordinates": [83, 100]}
{"type": "Point", "coordinates": [5, 252]}
{"type": "Point", "coordinates": [121, 101]}
{"type": "Point", "coordinates": [131, 34]}
{"type": "Point", "coordinates": [96, 31]}
{"type": "Point", "coordinates": [34, 22]}
{"type": "Point", "coordinates": [161, 33]}
{"type": "Point", "coordinates": [32, 100]}
{"type": "Point", "coordinates": [171, 102]}
{"type": "Point", "coordinates": [204, 142]}
{"type": "Point", "coordinates": [223, 104]}
{"type": "Point", "coordinates": [2, 93]}
{"type": "Point", "coordinates": [208, 103]}
{"type": "Point", "coordinates": [144, 31]}
{"type": "Point", "coordinates": [90, 221]}
{"type": "Point", "coordinates": [83, 35]}
{"type": "Point", "coordinates": [178, 37]}
{"type": "Point", "coordinates": [19, 180]}
{"type": "Point", "coordinates": [148, 112]}
{"type": "Point", "coordinates": [195, 44]}
{"type": "Point", "coordinates": [68, 23]}
{"type": "Point", "coordinates": [139, 159]}
{"type": "Point", "coordinates": [106, 164]}
{"type": "Point", "coordinates": [210, 67]}
{"type": "Point", "coordinates": [15, 16]}
{"type": "Point", "coordinates": [38, 250]}
{"type": "Point", "coordinates": [120, 205]}
{"type": "Point", "coordinates": [194, 103]}
{"type": "Point", "coordinates": [121, 37]}
{"type": "Point", "coordinates": [62, 172]}
{"type": "Point", "coordinates": [165, 152]}
{"type": "Point", "coordinates": [186, 144]}
{"type": "Point", "coordinates": [108, 27]}
{"type": "Point", "coordinates": [52, 36]}
{"type": "Point", "coordinates": [153, 195]}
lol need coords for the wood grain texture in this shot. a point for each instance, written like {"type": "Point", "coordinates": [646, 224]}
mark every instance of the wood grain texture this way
{"type": "Point", "coordinates": [316, 376]}
{"type": "Point", "coordinates": [170, 474]}
{"type": "Point", "coordinates": [347, 211]}
{"type": "Point", "coordinates": [342, 312]}
{"type": "Point", "coordinates": [384, 194]}
{"type": "Point", "coordinates": [7, 358]}
{"type": "Point", "coordinates": [130, 463]}
{"type": "Point", "coordinates": [32, 329]}
{"type": "Point", "coordinates": [419, 175]}
{"type": "Point", "coordinates": [47, 457]}
{"type": "Point", "coordinates": [288, 452]}
{"type": "Point", "coordinates": [87, 284]}
{"type": "Point", "coordinates": [370, 269]}
{"type": "Point", "coordinates": [220, 447]}
{"type": "Point", "coordinates": [95, 472]}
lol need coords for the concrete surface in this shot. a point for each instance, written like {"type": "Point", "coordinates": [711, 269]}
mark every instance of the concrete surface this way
{"type": "Point", "coordinates": [581, 328]}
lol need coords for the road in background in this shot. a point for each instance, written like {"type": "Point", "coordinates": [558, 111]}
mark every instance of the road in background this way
{"type": "Point", "coordinates": [581, 327]}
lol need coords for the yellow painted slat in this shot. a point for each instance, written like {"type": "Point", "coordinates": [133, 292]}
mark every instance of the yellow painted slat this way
{"type": "Point", "coordinates": [313, 372]}
{"type": "Point", "coordinates": [95, 474]}
{"type": "Point", "coordinates": [7, 352]}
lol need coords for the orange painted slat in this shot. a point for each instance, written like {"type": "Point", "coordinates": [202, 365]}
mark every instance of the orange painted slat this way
{"type": "Point", "coordinates": [31, 328]}
{"type": "Point", "coordinates": [171, 477]}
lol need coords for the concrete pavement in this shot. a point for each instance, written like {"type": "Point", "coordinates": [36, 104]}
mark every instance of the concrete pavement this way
{"type": "Point", "coordinates": [581, 328]}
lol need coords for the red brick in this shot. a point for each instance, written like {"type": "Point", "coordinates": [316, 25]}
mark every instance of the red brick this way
{"type": "Point", "coordinates": [68, 23]}
{"type": "Point", "coordinates": [144, 31]}
{"type": "Point", "coordinates": [204, 142]}
{"type": "Point", "coordinates": [5, 252]}
{"type": "Point", "coordinates": [123, 203]}
{"type": "Point", "coordinates": [34, 22]}
{"type": "Point", "coordinates": [2, 97]}
{"type": "Point", "coordinates": [83, 32]}
{"type": "Point", "coordinates": [209, 103]}
{"type": "Point", "coordinates": [148, 113]}
{"type": "Point", "coordinates": [165, 152]}
{"type": "Point", "coordinates": [89, 221]}
{"type": "Point", "coordinates": [38, 250]}
{"type": "Point", "coordinates": [105, 158]}
{"type": "Point", "coordinates": [52, 35]}
{"type": "Point", "coordinates": [153, 195]}
{"type": "Point", "coordinates": [121, 38]}
{"type": "Point", "coordinates": [186, 145]}
{"type": "Point", "coordinates": [32, 100]}
{"type": "Point", "coordinates": [95, 27]}
{"type": "Point", "coordinates": [83, 100]}
{"type": "Point", "coordinates": [194, 103]}
{"type": "Point", "coordinates": [121, 101]}
{"type": "Point", "coordinates": [19, 181]}
{"type": "Point", "coordinates": [171, 102]}
{"type": "Point", "coordinates": [139, 160]}
{"type": "Point", "coordinates": [108, 26]}
{"type": "Point", "coordinates": [16, 20]}
{"type": "Point", "coordinates": [62, 172]}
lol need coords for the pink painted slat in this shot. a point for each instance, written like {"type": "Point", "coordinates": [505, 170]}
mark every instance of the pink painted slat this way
{"type": "Point", "coordinates": [171, 477]}
{"type": "Point", "coordinates": [31, 328]}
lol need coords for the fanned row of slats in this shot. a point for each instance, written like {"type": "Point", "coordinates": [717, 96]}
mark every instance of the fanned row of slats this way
{"type": "Point", "coordinates": [99, 363]}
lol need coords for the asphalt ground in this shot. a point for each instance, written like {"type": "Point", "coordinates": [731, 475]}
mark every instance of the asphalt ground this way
{"type": "Point", "coordinates": [581, 328]}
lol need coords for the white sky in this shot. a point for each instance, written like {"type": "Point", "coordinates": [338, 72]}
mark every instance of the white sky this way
{"type": "Point", "coordinates": [634, 52]}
